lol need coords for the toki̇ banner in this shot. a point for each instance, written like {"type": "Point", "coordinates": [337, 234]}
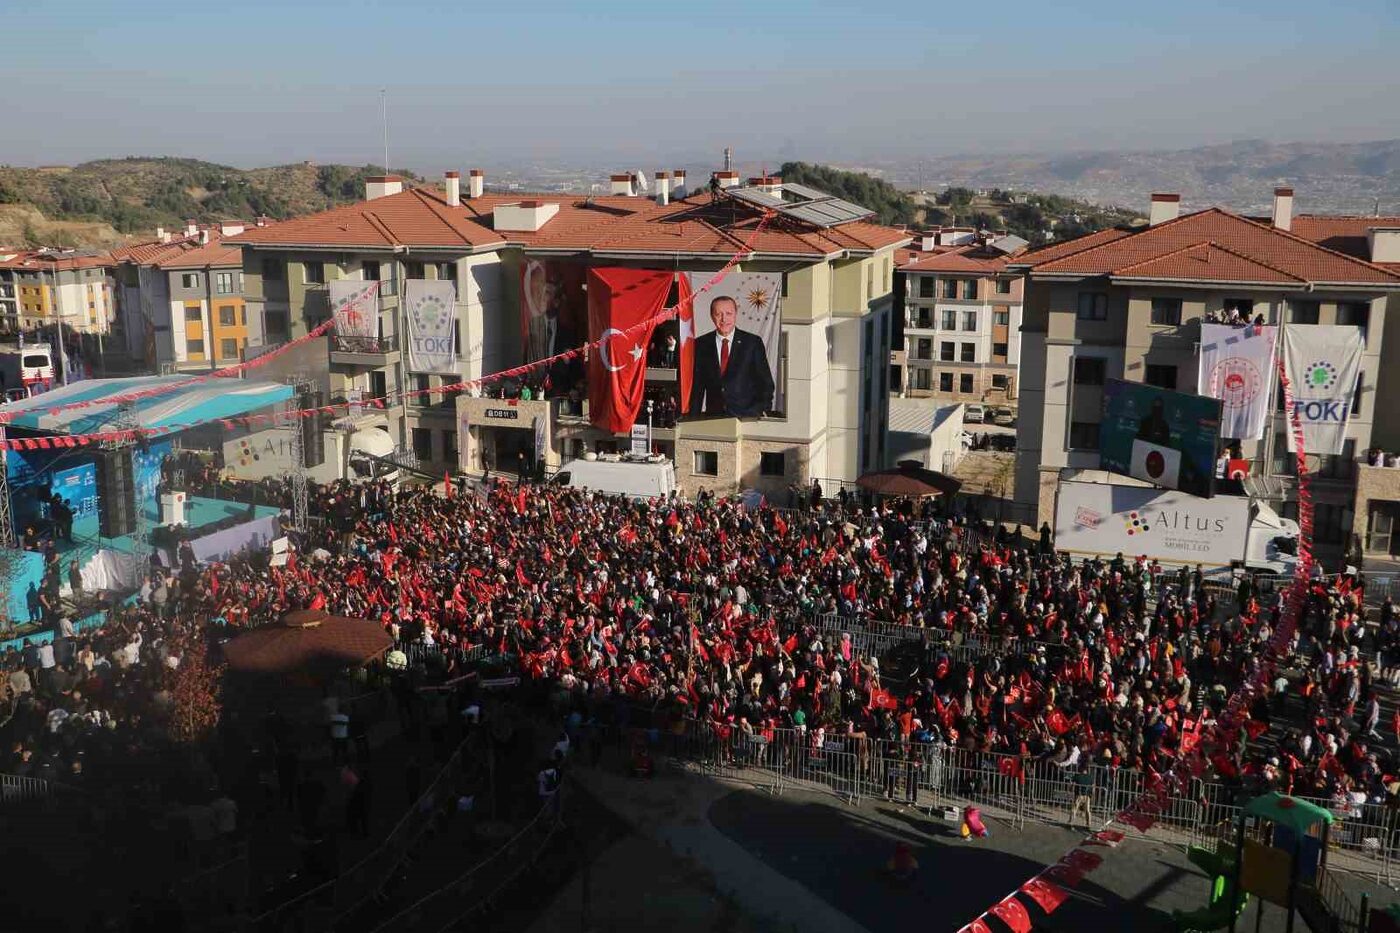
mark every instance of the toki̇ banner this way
{"type": "Point", "coordinates": [431, 308]}
{"type": "Point", "coordinates": [729, 343]}
{"type": "Point", "coordinates": [622, 313]}
{"type": "Point", "coordinates": [1323, 362]}
{"type": "Point", "coordinates": [355, 308]}
{"type": "Point", "coordinates": [1237, 367]}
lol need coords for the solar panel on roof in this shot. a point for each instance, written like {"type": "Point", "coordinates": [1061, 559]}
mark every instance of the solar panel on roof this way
{"type": "Point", "coordinates": [754, 196]}
{"type": "Point", "coordinates": [814, 207]}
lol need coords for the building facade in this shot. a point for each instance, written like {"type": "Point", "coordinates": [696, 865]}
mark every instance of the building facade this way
{"type": "Point", "coordinates": [962, 320]}
{"type": "Point", "coordinates": [1129, 303]}
{"type": "Point", "coordinates": [835, 320]}
{"type": "Point", "coordinates": [67, 288]}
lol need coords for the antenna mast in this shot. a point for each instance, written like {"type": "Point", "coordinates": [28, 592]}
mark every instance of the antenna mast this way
{"type": "Point", "coordinates": [384, 118]}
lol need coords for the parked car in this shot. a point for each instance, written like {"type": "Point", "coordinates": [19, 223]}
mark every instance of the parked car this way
{"type": "Point", "coordinates": [974, 414]}
{"type": "Point", "coordinates": [1002, 442]}
{"type": "Point", "coordinates": [1003, 416]}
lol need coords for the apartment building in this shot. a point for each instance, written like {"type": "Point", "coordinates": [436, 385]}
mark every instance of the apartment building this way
{"type": "Point", "coordinates": [835, 327]}
{"type": "Point", "coordinates": [1128, 303]}
{"type": "Point", "coordinates": [961, 311]}
{"type": "Point", "coordinates": [9, 293]}
{"type": "Point", "coordinates": [58, 287]}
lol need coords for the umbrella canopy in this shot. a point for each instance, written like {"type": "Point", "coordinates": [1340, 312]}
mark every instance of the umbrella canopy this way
{"type": "Point", "coordinates": [307, 639]}
{"type": "Point", "coordinates": [910, 479]}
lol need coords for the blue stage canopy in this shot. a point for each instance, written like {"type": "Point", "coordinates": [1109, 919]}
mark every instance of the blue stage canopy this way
{"type": "Point", "coordinates": [203, 401]}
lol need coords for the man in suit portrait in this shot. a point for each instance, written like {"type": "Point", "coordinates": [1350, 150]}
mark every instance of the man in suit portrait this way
{"type": "Point", "coordinates": [731, 374]}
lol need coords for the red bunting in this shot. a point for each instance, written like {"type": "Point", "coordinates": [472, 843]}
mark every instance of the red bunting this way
{"type": "Point", "coordinates": [1047, 895]}
{"type": "Point", "coordinates": [1013, 913]}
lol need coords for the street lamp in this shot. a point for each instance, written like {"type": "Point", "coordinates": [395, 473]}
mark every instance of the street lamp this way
{"type": "Point", "coordinates": [651, 403]}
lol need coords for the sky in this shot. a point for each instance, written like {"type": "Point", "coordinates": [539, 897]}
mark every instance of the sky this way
{"type": "Point", "coordinates": [258, 83]}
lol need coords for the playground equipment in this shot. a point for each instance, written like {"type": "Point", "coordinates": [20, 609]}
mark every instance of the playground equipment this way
{"type": "Point", "coordinates": [1219, 913]}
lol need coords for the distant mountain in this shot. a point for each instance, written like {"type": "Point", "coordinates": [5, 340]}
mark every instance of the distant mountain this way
{"type": "Point", "coordinates": [1327, 177]}
{"type": "Point", "coordinates": [115, 197]}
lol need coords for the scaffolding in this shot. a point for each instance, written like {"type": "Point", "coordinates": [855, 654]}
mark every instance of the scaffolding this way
{"type": "Point", "coordinates": [302, 385]}
{"type": "Point", "coordinates": [128, 419]}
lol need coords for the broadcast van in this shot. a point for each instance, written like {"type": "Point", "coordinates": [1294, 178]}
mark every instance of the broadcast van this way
{"type": "Point", "coordinates": [653, 477]}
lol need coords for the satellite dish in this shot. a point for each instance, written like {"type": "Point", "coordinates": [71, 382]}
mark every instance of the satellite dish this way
{"type": "Point", "coordinates": [641, 179]}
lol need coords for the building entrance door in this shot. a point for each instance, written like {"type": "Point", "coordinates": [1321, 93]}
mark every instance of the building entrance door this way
{"type": "Point", "coordinates": [1380, 535]}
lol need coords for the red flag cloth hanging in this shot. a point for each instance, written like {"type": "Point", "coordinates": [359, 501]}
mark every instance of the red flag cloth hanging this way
{"type": "Point", "coordinates": [1013, 913]}
{"type": "Point", "coordinates": [447, 484]}
{"type": "Point", "coordinates": [622, 313]}
{"type": "Point", "coordinates": [1047, 895]}
{"type": "Point", "coordinates": [977, 926]}
{"type": "Point", "coordinates": [685, 317]}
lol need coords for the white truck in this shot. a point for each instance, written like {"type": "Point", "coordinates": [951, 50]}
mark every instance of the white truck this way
{"type": "Point", "coordinates": [358, 455]}
{"type": "Point", "coordinates": [647, 479]}
{"type": "Point", "coordinates": [1222, 534]}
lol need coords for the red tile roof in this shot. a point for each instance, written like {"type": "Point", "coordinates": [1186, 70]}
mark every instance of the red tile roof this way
{"type": "Point", "coordinates": [34, 260]}
{"type": "Point", "coordinates": [968, 259]}
{"type": "Point", "coordinates": [1236, 249]}
{"type": "Point", "coordinates": [154, 251]}
{"type": "Point", "coordinates": [1341, 233]}
{"type": "Point", "coordinates": [422, 218]}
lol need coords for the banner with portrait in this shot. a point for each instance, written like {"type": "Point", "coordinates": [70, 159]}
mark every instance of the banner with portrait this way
{"type": "Point", "coordinates": [553, 316]}
{"type": "Point", "coordinates": [729, 336]}
{"type": "Point", "coordinates": [1323, 363]}
{"type": "Point", "coordinates": [355, 307]}
{"type": "Point", "coordinates": [431, 309]}
{"type": "Point", "coordinates": [1237, 367]}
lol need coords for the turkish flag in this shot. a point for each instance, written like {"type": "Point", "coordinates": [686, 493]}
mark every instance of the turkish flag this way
{"type": "Point", "coordinates": [685, 316]}
{"type": "Point", "coordinates": [622, 313]}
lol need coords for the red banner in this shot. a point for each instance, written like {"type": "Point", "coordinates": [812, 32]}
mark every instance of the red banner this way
{"type": "Point", "coordinates": [622, 313]}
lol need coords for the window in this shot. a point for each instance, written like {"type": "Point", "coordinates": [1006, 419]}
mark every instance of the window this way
{"type": "Point", "coordinates": [870, 280]}
{"type": "Point", "coordinates": [965, 382]}
{"type": "Point", "coordinates": [243, 316]}
{"type": "Point", "coordinates": [314, 273]}
{"type": "Point", "coordinates": [945, 351]}
{"type": "Point", "coordinates": [421, 384]}
{"type": "Point", "coordinates": [706, 463]}
{"type": "Point", "coordinates": [369, 270]}
{"type": "Point", "coordinates": [223, 283]}
{"type": "Point", "coordinates": [413, 270]}
{"type": "Point", "coordinates": [1093, 306]}
{"type": "Point", "coordinates": [785, 285]}
{"type": "Point", "coordinates": [1160, 375]}
{"type": "Point", "coordinates": [449, 446]}
{"type": "Point", "coordinates": [1083, 435]}
{"type": "Point", "coordinates": [423, 443]}
{"type": "Point", "coordinates": [969, 289]}
{"type": "Point", "coordinates": [228, 348]}
{"type": "Point", "coordinates": [926, 286]}
{"type": "Point", "coordinates": [945, 382]}
{"type": "Point", "coordinates": [447, 272]}
{"type": "Point", "coordinates": [1001, 318]}
{"type": "Point", "coordinates": [950, 288]}
{"type": "Point", "coordinates": [189, 280]}
{"type": "Point", "coordinates": [922, 318]}
{"type": "Point", "coordinates": [923, 378]}
{"type": "Point", "coordinates": [275, 323]}
{"type": "Point", "coordinates": [1244, 307]}
{"type": "Point", "coordinates": [1331, 523]}
{"type": "Point", "coordinates": [998, 381]}
{"type": "Point", "coordinates": [1003, 286]}
{"type": "Point", "coordinates": [194, 347]}
{"type": "Point", "coordinates": [1088, 371]}
{"type": "Point", "coordinates": [227, 317]}
{"type": "Point", "coordinates": [950, 319]}
{"type": "Point", "coordinates": [1303, 312]}
{"type": "Point", "coordinates": [969, 320]}
{"type": "Point", "coordinates": [1166, 311]}
{"type": "Point", "coordinates": [772, 463]}
{"type": "Point", "coordinates": [923, 349]}
{"type": "Point", "coordinates": [999, 351]}
{"type": "Point", "coordinates": [968, 353]}
{"type": "Point", "coordinates": [194, 314]}
{"type": "Point", "coordinates": [1339, 466]}
{"type": "Point", "coordinates": [1353, 313]}
{"type": "Point", "coordinates": [273, 270]}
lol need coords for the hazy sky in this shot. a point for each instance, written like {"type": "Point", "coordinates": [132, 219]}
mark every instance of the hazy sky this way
{"type": "Point", "coordinates": [253, 82]}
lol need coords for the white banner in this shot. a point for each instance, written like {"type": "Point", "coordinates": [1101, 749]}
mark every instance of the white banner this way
{"type": "Point", "coordinates": [431, 309]}
{"type": "Point", "coordinates": [355, 307]}
{"type": "Point", "coordinates": [1237, 367]}
{"type": "Point", "coordinates": [1323, 363]}
{"type": "Point", "coordinates": [1100, 518]}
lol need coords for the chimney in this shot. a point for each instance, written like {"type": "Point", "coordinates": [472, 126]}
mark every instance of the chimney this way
{"type": "Point", "coordinates": [203, 236]}
{"type": "Point", "coordinates": [928, 241]}
{"type": "Point", "coordinates": [161, 235]}
{"type": "Point", "coordinates": [264, 220]}
{"type": "Point", "coordinates": [678, 184]}
{"type": "Point", "coordinates": [621, 184]}
{"type": "Point", "coordinates": [1164, 207]}
{"type": "Point", "coordinates": [476, 183]}
{"type": "Point", "coordinates": [454, 188]}
{"type": "Point", "coordinates": [1283, 208]}
{"type": "Point", "coordinates": [379, 186]}
{"type": "Point", "coordinates": [231, 227]}
{"type": "Point", "coordinates": [1383, 243]}
{"type": "Point", "coordinates": [191, 227]}
{"type": "Point", "coordinates": [663, 188]}
{"type": "Point", "coordinates": [727, 179]}
{"type": "Point", "coordinates": [770, 185]}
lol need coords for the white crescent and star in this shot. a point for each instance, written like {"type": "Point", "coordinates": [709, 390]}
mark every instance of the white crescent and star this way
{"type": "Point", "coordinates": [606, 359]}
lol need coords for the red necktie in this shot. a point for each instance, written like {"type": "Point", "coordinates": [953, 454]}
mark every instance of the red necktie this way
{"type": "Point", "coordinates": [723, 356]}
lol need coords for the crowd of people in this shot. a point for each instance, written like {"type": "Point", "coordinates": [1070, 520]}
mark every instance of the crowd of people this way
{"type": "Point", "coordinates": [708, 610]}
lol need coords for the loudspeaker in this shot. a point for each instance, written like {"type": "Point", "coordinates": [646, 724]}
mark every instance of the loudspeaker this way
{"type": "Point", "coordinates": [313, 438]}
{"type": "Point", "coordinates": [116, 493]}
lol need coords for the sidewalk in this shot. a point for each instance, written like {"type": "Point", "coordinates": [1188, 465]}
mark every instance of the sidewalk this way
{"type": "Point", "coordinates": [672, 809]}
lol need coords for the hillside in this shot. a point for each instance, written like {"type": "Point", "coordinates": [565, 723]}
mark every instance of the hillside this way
{"type": "Point", "coordinates": [98, 202]}
{"type": "Point", "coordinates": [1338, 178]}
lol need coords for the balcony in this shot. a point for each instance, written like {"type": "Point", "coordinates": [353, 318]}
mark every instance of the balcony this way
{"type": "Point", "coordinates": [364, 351]}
